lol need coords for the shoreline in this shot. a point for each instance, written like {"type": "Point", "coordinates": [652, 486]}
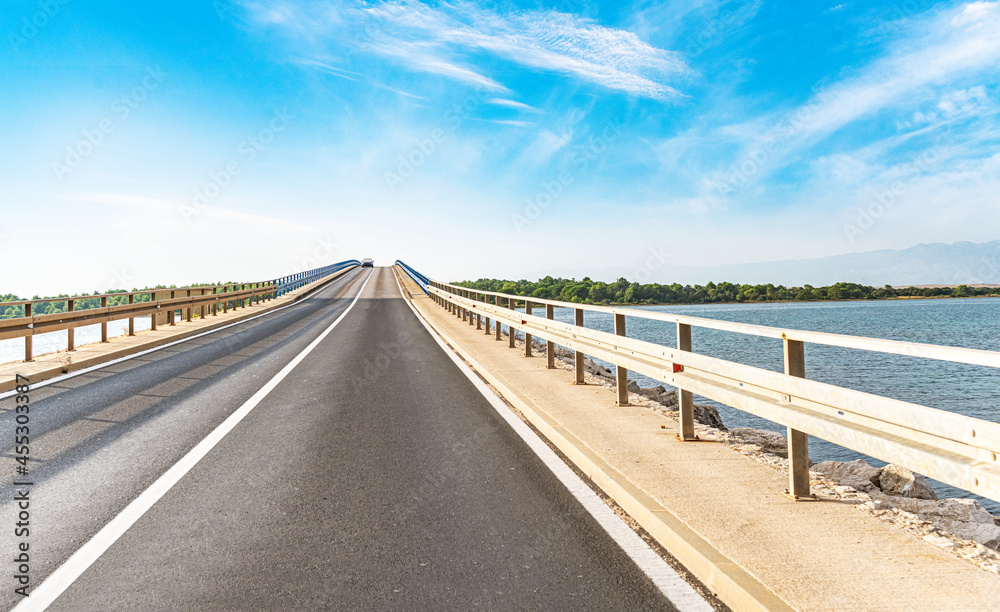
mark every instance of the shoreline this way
{"type": "Point", "coordinates": [890, 299]}
{"type": "Point", "coordinates": [905, 297]}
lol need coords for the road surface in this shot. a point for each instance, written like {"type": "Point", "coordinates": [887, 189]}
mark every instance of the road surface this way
{"type": "Point", "coordinates": [373, 476]}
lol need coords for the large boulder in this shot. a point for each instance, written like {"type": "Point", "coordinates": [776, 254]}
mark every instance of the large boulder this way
{"type": "Point", "coordinates": [661, 395]}
{"type": "Point", "coordinates": [592, 368]}
{"type": "Point", "coordinates": [857, 473]}
{"type": "Point", "coordinates": [964, 518]}
{"type": "Point", "coordinates": [897, 480]}
{"type": "Point", "coordinates": [708, 415]}
{"type": "Point", "coordinates": [768, 441]}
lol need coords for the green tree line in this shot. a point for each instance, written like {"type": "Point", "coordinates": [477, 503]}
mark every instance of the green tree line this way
{"type": "Point", "coordinates": [81, 302]}
{"type": "Point", "coordinates": [587, 291]}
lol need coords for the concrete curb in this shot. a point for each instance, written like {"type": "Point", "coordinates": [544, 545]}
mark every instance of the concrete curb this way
{"type": "Point", "coordinates": [736, 587]}
{"type": "Point", "coordinates": [59, 370]}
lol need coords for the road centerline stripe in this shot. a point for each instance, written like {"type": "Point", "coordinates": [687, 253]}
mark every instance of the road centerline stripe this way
{"type": "Point", "coordinates": [67, 573]}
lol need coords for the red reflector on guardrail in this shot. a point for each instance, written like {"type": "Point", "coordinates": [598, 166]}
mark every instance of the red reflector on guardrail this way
{"type": "Point", "coordinates": [678, 368]}
{"type": "Point", "coordinates": [523, 322]}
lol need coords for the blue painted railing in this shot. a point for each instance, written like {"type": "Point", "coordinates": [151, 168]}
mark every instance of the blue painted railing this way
{"type": "Point", "coordinates": [417, 277]}
{"type": "Point", "coordinates": [292, 282]}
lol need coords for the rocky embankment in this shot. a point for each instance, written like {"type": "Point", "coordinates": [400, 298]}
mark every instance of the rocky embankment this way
{"type": "Point", "coordinates": [893, 493]}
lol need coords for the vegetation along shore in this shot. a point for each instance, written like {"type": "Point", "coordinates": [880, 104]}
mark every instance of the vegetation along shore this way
{"type": "Point", "coordinates": [622, 291]}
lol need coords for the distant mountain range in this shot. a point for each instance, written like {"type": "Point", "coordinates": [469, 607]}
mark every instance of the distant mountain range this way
{"type": "Point", "coordinates": [924, 264]}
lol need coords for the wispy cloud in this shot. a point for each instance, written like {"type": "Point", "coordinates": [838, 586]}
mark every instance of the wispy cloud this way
{"type": "Point", "coordinates": [325, 67]}
{"type": "Point", "coordinates": [921, 66]}
{"type": "Point", "coordinates": [953, 45]}
{"type": "Point", "coordinates": [423, 57]}
{"type": "Point", "coordinates": [511, 122]}
{"type": "Point", "coordinates": [521, 106]}
{"type": "Point", "coordinates": [168, 208]}
{"type": "Point", "coordinates": [400, 92]}
{"type": "Point", "coordinates": [444, 40]}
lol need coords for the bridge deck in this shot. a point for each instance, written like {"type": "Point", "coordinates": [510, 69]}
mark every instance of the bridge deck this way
{"type": "Point", "coordinates": [374, 476]}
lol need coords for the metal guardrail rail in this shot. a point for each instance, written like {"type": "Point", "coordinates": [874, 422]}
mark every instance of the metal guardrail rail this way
{"type": "Point", "coordinates": [952, 448]}
{"type": "Point", "coordinates": [290, 283]}
{"type": "Point", "coordinates": [208, 299]}
{"type": "Point", "coordinates": [422, 281]}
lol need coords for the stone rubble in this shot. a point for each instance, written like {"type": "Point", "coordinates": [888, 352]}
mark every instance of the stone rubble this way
{"type": "Point", "coordinates": [893, 493]}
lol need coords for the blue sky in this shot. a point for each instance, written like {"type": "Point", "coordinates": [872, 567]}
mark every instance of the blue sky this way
{"type": "Point", "coordinates": [243, 139]}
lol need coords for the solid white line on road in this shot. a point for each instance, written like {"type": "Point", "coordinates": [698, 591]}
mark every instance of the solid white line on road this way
{"type": "Point", "coordinates": [53, 586]}
{"type": "Point", "coordinates": [52, 381]}
{"type": "Point", "coordinates": [670, 583]}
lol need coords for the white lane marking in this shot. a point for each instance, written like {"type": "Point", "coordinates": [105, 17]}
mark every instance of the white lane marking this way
{"type": "Point", "coordinates": [52, 381]}
{"type": "Point", "coordinates": [673, 587]}
{"type": "Point", "coordinates": [67, 573]}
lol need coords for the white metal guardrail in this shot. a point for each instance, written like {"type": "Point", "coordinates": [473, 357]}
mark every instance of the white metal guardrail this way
{"type": "Point", "coordinates": [209, 300]}
{"type": "Point", "coordinates": [421, 280]}
{"type": "Point", "coordinates": [952, 448]}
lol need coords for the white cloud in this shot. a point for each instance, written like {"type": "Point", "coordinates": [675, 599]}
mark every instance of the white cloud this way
{"type": "Point", "coordinates": [169, 210]}
{"type": "Point", "coordinates": [963, 101]}
{"type": "Point", "coordinates": [514, 104]}
{"type": "Point", "coordinates": [510, 122]}
{"type": "Point", "coordinates": [946, 47]}
{"type": "Point", "coordinates": [340, 72]}
{"type": "Point", "coordinates": [443, 39]}
{"type": "Point", "coordinates": [967, 42]}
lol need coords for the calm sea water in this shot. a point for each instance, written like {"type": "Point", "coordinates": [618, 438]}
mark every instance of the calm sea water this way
{"type": "Point", "coordinates": [12, 349]}
{"type": "Point", "coordinates": [968, 390]}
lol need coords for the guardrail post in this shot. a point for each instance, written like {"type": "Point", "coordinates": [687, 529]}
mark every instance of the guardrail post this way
{"type": "Point", "coordinates": [479, 317]}
{"type": "Point", "coordinates": [527, 336]}
{"type": "Point", "coordinates": [172, 313]}
{"type": "Point", "coordinates": [153, 298]}
{"type": "Point", "coordinates": [550, 347]}
{"type": "Point", "coordinates": [104, 326]}
{"type": "Point", "coordinates": [512, 304]}
{"type": "Point", "coordinates": [71, 333]}
{"type": "Point", "coordinates": [215, 303]}
{"type": "Point", "coordinates": [497, 331]}
{"type": "Point", "coordinates": [28, 340]}
{"type": "Point", "coordinates": [201, 310]}
{"type": "Point", "coordinates": [685, 399]}
{"type": "Point", "coordinates": [225, 301]}
{"type": "Point", "coordinates": [621, 374]}
{"type": "Point", "coordinates": [798, 442]}
{"type": "Point", "coordinates": [189, 308]}
{"type": "Point", "coordinates": [131, 320]}
{"type": "Point", "coordinates": [578, 356]}
{"type": "Point", "coordinates": [486, 319]}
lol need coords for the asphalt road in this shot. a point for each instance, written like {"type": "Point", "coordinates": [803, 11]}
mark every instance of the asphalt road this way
{"type": "Point", "coordinates": [374, 476]}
